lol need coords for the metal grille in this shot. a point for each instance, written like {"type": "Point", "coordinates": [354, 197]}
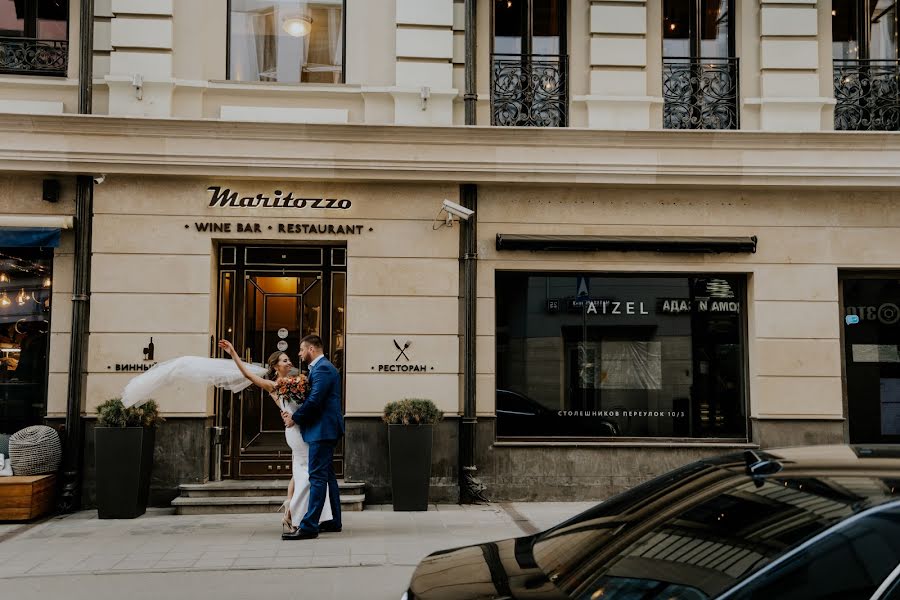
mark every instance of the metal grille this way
{"type": "Point", "coordinates": [867, 94]}
{"type": "Point", "coordinates": [529, 90]}
{"type": "Point", "coordinates": [701, 93]}
{"type": "Point", "coordinates": [33, 57]}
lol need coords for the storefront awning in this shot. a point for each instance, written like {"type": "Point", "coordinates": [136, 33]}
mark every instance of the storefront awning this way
{"type": "Point", "coordinates": [32, 231]}
{"type": "Point", "coordinates": [625, 243]}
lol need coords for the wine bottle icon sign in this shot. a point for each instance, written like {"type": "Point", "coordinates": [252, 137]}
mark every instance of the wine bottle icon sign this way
{"type": "Point", "coordinates": [148, 351]}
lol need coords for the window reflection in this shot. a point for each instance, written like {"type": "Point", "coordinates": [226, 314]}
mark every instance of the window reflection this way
{"type": "Point", "coordinates": [625, 356]}
{"type": "Point", "coordinates": [709, 530]}
{"type": "Point", "coordinates": [287, 41]}
{"type": "Point", "coordinates": [25, 294]}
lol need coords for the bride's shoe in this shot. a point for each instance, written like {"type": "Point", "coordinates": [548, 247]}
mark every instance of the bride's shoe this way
{"type": "Point", "coordinates": [286, 525]}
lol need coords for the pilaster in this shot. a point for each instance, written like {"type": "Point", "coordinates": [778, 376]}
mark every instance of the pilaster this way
{"type": "Point", "coordinates": [789, 66]}
{"type": "Point", "coordinates": [423, 91]}
{"type": "Point", "coordinates": [618, 96]}
{"type": "Point", "coordinates": [140, 75]}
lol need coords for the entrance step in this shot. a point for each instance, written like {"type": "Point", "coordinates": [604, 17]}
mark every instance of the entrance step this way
{"type": "Point", "coordinates": [251, 496]}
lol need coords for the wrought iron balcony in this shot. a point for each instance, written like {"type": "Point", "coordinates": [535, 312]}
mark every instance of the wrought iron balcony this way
{"type": "Point", "coordinates": [867, 94]}
{"type": "Point", "coordinates": [529, 90]}
{"type": "Point", "coordinates": [701, 93]}
{"type": "Point", "coordinates": [26, 56]}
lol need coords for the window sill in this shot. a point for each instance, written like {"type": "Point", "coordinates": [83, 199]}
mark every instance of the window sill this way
{"type": "Point", "coordinates": [661, 443]}
{"type": "Point", "coordinates": [285, 88]}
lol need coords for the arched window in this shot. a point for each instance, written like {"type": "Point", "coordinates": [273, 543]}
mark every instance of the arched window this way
{"type": "Point", "coordinates": [700, 69]}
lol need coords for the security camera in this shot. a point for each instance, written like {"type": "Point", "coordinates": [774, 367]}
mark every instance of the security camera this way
{"type": "Point", "coordinates": [458, 210]}
{"type": "Point", "coordinates": [98, 179]}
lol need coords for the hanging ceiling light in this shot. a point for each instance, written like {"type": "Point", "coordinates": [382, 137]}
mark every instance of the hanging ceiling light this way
{"type": "Point", "coordinates": [4, 278]}
{"type": "Point", "coordinates": [297, 26]}
{"type": "Point", "coordinates": [47, 282]}
{"type": "Point", "coordinates": [21, 297]}
{"type": "Point", "coordinates": [4, 300]}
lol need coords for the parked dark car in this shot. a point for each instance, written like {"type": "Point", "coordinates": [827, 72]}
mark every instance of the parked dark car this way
{"type": "Point", "coordinates": [800, 524]}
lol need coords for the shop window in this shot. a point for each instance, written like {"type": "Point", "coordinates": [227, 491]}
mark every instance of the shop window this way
{"type": "Point", "coordinates": [620, 356]}
{"type": "Point", "coordinates": [866, 66]}
{"type": "Point", "coordinates": [25, 292]}
{"type": "Point", "coordinates": [286, 41]}
{"type": "Point", "coordinates": [34, 37]}
{"type": "Point", "coordinates": [872, 367]}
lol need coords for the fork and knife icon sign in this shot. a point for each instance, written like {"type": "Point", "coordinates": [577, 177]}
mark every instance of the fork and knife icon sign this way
{"type": "Point", "coordinates": [402, 350]}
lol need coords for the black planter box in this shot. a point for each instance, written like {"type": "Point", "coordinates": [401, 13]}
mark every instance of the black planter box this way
{"type": "Point", "coordinates": [124, 457]}
{"type": "Point", "coordinates": [410, 450]}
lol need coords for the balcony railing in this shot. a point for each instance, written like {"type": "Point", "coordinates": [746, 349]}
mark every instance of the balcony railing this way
{"type": "Point", "coordinates": [529, 90]}
{"type": "Point", "coordinates": [867, 94]}
{"type": "Point", "coordinates": [701, 93]}
{"type": "Point", "coordinates": [26, 56]}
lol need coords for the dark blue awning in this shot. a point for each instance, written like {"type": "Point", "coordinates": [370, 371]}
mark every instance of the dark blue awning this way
{"type": "Point", "coordinates": [46, 237]}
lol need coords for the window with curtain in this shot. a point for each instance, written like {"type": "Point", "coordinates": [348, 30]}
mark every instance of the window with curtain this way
{"type": "Point", "coordinates": [286, 41]}
{"type": "Point", "coordinates": [864, 29]}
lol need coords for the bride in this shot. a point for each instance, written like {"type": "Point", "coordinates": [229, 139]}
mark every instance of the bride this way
{"type": "Point", "coordinates": [298, 490]}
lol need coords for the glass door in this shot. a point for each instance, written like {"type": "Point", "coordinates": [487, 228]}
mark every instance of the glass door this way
{"type": "Point", "coordinates": [286, 293]}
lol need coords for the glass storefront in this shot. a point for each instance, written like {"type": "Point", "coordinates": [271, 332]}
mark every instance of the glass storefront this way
{"type": "Point", "coordinates": [25, 292]}
{"type": "Point", "coordinates": [871, 341]}
{"type": "Point", "coordinates": [620, 356]}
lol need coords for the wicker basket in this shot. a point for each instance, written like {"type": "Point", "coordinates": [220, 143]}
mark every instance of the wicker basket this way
{"type": "Point", "coordinates": [35, 451]}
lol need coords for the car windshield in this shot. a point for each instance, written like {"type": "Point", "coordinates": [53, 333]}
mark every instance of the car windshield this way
{"type": "Point", "coordinates": [695, 532]}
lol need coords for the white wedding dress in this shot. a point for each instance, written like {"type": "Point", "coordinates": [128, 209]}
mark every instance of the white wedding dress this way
{"type": "Point", "coordinates": [299, 502]}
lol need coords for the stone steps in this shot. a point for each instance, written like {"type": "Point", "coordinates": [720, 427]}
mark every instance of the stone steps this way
{"type": "Point", "coordinates": [251, 496]}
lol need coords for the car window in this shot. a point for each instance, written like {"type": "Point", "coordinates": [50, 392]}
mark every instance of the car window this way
{"type": "Point", "coordinates": [848, 562]}
{"type": "Point", "coordinates": [700, 533]}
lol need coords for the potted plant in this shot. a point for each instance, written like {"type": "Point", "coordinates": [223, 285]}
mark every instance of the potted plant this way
{"type": "Point", "coordinates": [123, 447]}
{"type": "Point", "coordinates": [410, 431]}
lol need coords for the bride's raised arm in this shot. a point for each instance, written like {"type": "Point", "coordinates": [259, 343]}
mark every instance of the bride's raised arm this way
{"type": "Point", "coordinates": [265, 384]}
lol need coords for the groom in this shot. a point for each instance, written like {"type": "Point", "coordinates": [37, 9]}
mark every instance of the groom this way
{"type": "Point", "coordinates": [321, 423]}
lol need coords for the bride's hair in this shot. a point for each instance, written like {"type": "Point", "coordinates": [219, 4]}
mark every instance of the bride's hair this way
{"type": "Point", "coordinates": [273, 360]}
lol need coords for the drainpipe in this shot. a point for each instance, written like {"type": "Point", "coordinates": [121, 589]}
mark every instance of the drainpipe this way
{"type": "Point", "coordinates": [70, 499]}
{"type": "Point", "coordinates": [471, 490]}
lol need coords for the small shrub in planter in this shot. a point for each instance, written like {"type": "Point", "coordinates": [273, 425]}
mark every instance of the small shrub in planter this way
{"type": "Point", "coordinates": [123, 447]}
{"type": "Point", "coordinates": [410, 432]}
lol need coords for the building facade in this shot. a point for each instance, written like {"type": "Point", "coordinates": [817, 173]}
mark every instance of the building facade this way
{"type": "Point", "coordinates": [683, 240]}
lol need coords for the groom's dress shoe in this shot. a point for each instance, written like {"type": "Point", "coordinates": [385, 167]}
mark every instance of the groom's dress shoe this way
{"type": "Point", "coordinates": [329, 527]}
{"type": "Point", "coordinates": [299, 534]}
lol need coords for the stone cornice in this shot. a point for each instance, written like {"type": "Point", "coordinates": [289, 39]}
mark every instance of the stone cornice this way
{"type": "Point", "coordinates": [90, 144]}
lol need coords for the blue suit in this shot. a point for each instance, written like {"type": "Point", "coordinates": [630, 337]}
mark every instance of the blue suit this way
{"type": "Point", "coordinates": [321, 422]}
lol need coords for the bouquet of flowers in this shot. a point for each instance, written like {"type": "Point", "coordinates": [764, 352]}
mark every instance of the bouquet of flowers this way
{"type": "Point", "coordinates": [292, 389]}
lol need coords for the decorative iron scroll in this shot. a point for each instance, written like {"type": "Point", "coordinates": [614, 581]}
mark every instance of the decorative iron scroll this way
{"type": "Point", "coordinates": [33, 57]}
{"type": "Point", "coordinates": [867, 94]}
{"type": "Point", "coordinates": [529, 91]}
{"type": "Point", "coordinates": [700, 93]}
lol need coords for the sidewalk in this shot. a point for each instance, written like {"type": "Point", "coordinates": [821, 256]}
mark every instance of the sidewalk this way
{"type": "Point", "coordinates": [160, 542]}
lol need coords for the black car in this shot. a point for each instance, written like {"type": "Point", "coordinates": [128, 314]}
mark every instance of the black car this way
{"type": "Point", "coordinates": [800, 524]}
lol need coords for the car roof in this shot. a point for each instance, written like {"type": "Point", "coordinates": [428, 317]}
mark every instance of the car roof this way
{"type": "Point", "coordinates": [857, 458]}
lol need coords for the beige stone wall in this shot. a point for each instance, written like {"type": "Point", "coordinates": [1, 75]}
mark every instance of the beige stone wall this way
{"type": "Point", "coordinates": [395, 47]}
{"type": "Point", "coordinates": [794, 344]}
{"type": "Point", "coordinates": [153, 276]}
{"type": "Point", "coordinates": [21, 195]}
